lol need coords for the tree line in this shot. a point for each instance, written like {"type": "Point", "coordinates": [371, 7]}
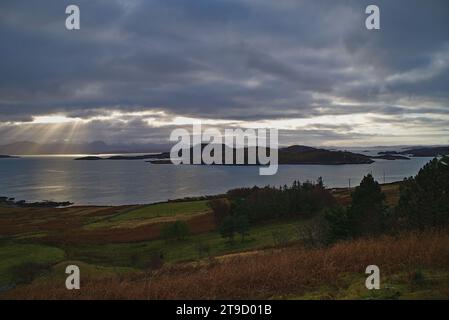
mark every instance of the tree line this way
{"type": "Point", "coordinates": [423, 203]}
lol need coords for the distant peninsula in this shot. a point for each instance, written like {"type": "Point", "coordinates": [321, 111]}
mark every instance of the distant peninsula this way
{"type": "Point", "coordinates": [295, 154]}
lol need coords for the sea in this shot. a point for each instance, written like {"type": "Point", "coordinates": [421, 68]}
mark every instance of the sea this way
{"type": "Point", "coordinates": [123, 182]}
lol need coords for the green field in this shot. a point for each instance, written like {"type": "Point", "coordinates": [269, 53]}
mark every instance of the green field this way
{"type": "Point", "coordinates": [138, 254]}
{"type": "Point", "coordinates": [13, 255]}
{"type": "Point", "coordinates": [118, 257]}
{"type": "Point", "coordinates": [31, 255]}
{"type": "Point", "coordinates": [178, 210]}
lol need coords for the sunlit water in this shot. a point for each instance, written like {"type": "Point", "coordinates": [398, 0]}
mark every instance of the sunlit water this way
{"type": "Point", "coordinates": [134, 181]}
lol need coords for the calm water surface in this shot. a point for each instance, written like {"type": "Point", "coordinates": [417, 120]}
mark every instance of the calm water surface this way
{"type": "Point", "coordinates": [60, 178]}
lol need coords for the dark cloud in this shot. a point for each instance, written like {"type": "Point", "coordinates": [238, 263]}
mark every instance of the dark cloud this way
{"type": "Point", "coordinates": [247, 60]}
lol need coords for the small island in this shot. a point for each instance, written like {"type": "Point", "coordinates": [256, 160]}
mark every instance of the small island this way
{"type": "Point", "coordinates": [163, 155]}
{"type": "Point", "coordinates": [4, 156]}
{"type": "Point", "coordinates": [391, 157]}
{"type": "Point", "coordinates": [90, 158]}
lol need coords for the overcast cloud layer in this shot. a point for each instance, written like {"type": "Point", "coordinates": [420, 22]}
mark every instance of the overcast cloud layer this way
{"type": "Point", "coordinates": [137, 69]}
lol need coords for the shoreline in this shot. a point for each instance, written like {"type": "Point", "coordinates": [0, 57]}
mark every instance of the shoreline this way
{"type": "Point", "coordinates": [41, 204]}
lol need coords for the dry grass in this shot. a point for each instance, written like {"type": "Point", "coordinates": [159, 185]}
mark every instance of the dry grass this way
{"type": "Point", "coordinates": [197, 224]}
{"type": "Point", "coordinates": [67, 225]}
{"type": "Point", "coordinates": [291, 271]}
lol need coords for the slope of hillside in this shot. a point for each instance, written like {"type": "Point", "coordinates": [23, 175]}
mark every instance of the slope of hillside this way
{"type": "Point", "coordinates": [337, 272]}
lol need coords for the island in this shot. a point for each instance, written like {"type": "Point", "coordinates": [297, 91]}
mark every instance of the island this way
{"type": "Point", "coordinates": [296, 154]}
{"type": "Point", "coordinates": [90, 158]}
{"type": "Point", "coordinates": [391, 157]}
{"type": "Point", "coordinates": [3, 156]}
{"type": "Point", "coordinates": [163, 155]}
{"type": "Point", "coordinates": [427, 151]}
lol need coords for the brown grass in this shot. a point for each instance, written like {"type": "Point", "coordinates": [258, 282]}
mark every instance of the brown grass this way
{"type": "Point", "coordinates": [267, 274]}
{"type": "Point", "coordinates": [15, 221]}
{"type": "Point", "coordinates": [197, 224]}
{"type": "Point", "coordinates": [65, 225]}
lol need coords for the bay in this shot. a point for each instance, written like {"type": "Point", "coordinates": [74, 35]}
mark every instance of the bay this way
{"type": "Point", "coordinates": [119, 182]}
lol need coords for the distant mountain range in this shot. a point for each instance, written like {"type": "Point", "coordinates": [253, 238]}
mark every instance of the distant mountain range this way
{"type": "Point", "coordinates": [96, 147]}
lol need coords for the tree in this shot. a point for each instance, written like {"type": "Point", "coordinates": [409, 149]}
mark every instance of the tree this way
{"type": "Point", "coordinates": [424, 199]}
{"type": "Point", "coordinates": [241, 224]}
{"type": "Point", "coordinates": [178, 230]}
{"type": "Point", "coordinates": [227, 229]}
{"type": "Point", "coordinates": [368, 209]}
{"type": "Point", "coordinates": [365, 216]}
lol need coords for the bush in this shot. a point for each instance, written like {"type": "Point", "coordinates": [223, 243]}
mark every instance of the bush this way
{"type": "Point", "coordinates": [340, 224]}
{"type": "Point", "coordinates": [280, 238]}
{"type": "Point", "coordinates": [202, 248]}
{"type": "Point", "coordinates": [221, 209]}
{"type": "Point", "coordinates": [314, 234]}
{"type": "Point", "coordinates": [178, 230]}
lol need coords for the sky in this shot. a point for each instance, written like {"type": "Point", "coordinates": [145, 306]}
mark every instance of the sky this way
{"type": "Point", "coordinates": [137, 69]}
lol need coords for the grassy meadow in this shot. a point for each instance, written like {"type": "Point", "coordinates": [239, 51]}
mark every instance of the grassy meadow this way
{"type": "Point", "coordinates": [116, 249]}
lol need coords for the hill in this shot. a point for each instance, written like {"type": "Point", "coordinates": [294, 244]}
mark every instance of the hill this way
{"type": "Point", "coordinates": [296, 154]}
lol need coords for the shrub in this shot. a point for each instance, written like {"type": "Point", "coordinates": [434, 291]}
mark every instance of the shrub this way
{"type": "Point", "coordinates": [202, 248]}
{"type": "Point", "coordinates": [280, 238]}
{"type": "Point", "coordinates": [339, 223]}
{"type": "Point", "coordinates": [221, 209]}
{"type": "Point", "coordinates": [314, 234]}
